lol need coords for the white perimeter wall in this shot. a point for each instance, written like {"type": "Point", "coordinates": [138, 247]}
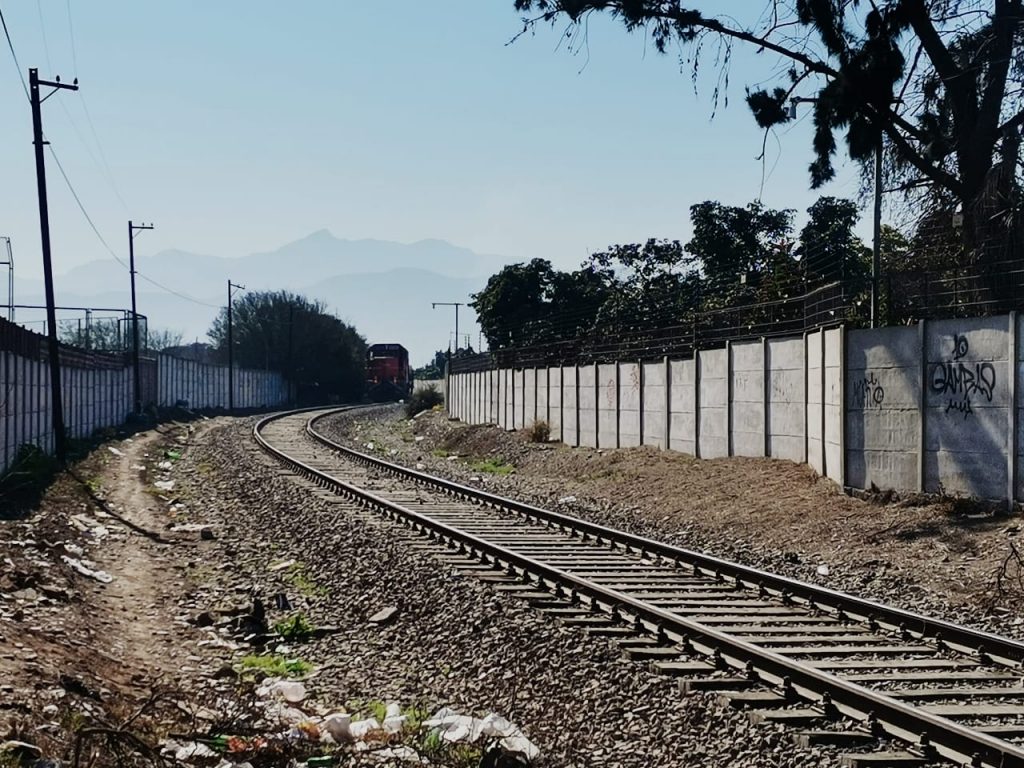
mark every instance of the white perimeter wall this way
{"type": "Point", "coordinates": [937, 407]}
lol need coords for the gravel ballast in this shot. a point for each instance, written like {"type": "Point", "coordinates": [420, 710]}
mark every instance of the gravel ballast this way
{"type": "Point", "coordinates": [452, 640]}
{"type": "Point", "coordinates": [945, 557]}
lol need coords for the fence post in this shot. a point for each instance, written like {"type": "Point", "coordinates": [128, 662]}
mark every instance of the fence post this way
{"type": "Point", "coordinates": [821, 420]}
{"type": "Point", "coordinates": [842, 406]}
{"type": "Point", "coordinates": [640, 399]}
{"type": "Point", "coordinates": [666, 435]}
{"type": "Point", "coordinates": [1011, 437]}
{"type": "Point", "coordinates": [561, 403]}
{"type": "Point", "coordinates": [696, 402]}
{"type": "Point", "coordinates": [807, 388]}
{"type": "Point", "coordinates": [766, 395]}
{"type": "Point", "coordinates": [728, 398]}
{"type": "Point", "coordinates": [922, 412]}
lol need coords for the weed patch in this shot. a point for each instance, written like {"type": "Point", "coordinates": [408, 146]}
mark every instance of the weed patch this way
{"type": "Point", "coordinates": [274, 665]}
{"type": "Point", "coordinates": [492, 467]}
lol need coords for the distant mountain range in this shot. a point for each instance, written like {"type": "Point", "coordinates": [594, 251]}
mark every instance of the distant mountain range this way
{"type": "Point", "coordinates": [384, 289]}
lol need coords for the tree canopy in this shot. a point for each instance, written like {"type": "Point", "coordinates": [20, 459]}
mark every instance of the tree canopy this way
{"type": "Point", "coordinates": [321, 356]}
{"type": "Point", "coordinates": [743, 259]}
{"type": "Point", "coordinates": [941, 81]}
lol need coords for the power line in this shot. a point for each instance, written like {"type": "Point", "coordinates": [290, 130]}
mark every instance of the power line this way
{"type": "Point", "coordinates": [14, 56]}
{"type": "Point", "coordinates": [71, 35]}
{"type": "Point", "coordinates": [99, 236]}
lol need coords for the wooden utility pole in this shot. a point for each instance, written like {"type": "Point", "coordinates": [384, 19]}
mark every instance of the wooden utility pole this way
{"type": "Point", "coordinates": [136, 374]}
{"type": "Point", "coordinates": [53, 346]}
{"type": "Point", "coordinates": [231, 350]}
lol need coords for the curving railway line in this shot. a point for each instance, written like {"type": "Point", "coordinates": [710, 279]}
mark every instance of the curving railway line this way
{"type": "Point", "coordinates": [895, 687]}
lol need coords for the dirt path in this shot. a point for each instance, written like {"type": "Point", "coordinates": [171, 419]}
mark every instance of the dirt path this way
{"type": "Point", "coordinates": [92, 595]}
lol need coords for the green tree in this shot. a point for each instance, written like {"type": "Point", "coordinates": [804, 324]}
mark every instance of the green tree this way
{"type": "Point", "coordinates": [321, 356]}
{"type": "Point", "coordinates": [526, 304]}
{"type": "Point", "coordinates": [743, 253]}
{"type": "Point", "coordinates": [940, 81]}
{"type": "Point", "coordinates": [830, 251]}
{"type": "Point", "coordinates": [434, 369]}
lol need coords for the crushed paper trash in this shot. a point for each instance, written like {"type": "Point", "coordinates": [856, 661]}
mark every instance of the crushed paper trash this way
{"type": "Point", "coordinates": [81, 567]}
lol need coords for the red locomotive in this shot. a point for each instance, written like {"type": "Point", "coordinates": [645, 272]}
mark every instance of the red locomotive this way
{"type": "Point", "coordinates": [388, 375]}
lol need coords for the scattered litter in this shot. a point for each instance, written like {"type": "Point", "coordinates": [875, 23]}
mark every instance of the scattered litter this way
{"type": "Point", "coordinates": [164, 465]}
{"type": "Point", "coordinates": [138, 468]}
{"type": "Point", "coordinates": [393, 452]}
{"type": "Point", "coordinates": [823, 570]}
{"type": "Point", "coordinates": [85, 570]}
{"type": "Point", "coordinates": [290, 691]}
{"type": "Point", "coordinates": [370, 446]}
{"type": "Point", "coordinates": [164, 485]}
{"type": "Point", "coordinates": [455, 728]}
{"type": "Point", "coordinates": [453, 457]}
{"type": "Point", "coordinates": [567, 500]}
{"type": "Point", "coordinates": [187, 750]}
{"type": "Point", "coordinates": [421, 467]}
{"type": "Point", "coordinates": [282, 565]}
{"type": "Point", "coordinates": [115, 451]}
{"type": "Point", "coordinates": [173, 455]}
{"type": "Point", "coordinates": [419, 438]}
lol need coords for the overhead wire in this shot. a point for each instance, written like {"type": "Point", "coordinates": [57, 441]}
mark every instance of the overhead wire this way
{"type": "Point", "coordinates": [74, 193]}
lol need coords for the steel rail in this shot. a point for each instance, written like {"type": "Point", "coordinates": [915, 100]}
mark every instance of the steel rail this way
{"type": "Point", "coordinates": [933, 735]}
{"type": "Point", "coordinates": [987, 646]}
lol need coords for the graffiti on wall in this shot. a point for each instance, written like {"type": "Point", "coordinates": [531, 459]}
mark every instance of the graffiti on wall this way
{"type": "Point", "coordinates": [962, 382]}
{"type": "Point", "coordinates": [868, 392]}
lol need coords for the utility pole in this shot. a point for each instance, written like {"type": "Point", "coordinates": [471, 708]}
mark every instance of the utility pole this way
{"type": "Point", "coordinates": [9, 263]}
{"type": "Point", "coordinates": [136, 371]}
{"type": "Point", "coordinates": [231, 350]}
{"type": "Point", "coordinates": [876, 240]}
{"type": "Point", "coordinates": [57, 404]}
{"type": "Point", "coordinates": [456, 304]}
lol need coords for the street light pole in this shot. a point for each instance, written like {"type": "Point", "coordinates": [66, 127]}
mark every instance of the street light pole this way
{"type": "Point", "coordinates": [136, 370]}
{"type": "Point", "coordinates": [53, 346]}
{"type": "Point", "coordinates": [231, 350]}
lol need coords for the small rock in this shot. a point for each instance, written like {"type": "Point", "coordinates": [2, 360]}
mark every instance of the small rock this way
{"type": "Point", "coordinates": [384, 615]}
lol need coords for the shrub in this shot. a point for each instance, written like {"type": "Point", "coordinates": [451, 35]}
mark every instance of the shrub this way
{"type": "Point", "coordinates": [539, 431]}
{"type": "Point", "coordinates": [423, 400]}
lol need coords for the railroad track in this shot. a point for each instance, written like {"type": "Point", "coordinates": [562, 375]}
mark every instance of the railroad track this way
{"type": "Point", "coordinates": [844, 670]}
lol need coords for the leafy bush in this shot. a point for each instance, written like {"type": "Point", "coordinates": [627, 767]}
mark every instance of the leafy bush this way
{"type": "Point", "coordinates": [423, 400]}
{"type": "Point", "coordinates": [539, 431]}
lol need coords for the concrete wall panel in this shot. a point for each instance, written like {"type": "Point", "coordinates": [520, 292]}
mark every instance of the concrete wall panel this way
{"type": "Point", "coordinates": [555, 402]}
{"type": "Point", "coordinates": [629, 405]}
{"type": "Point", "coordinates": [682, 419]}
{"type": "Point", "coordinates": [653, 415]}
{"type": "Point", "coordinates": [747, 418]}
{"type": "Point", "coordinates": [814, 405]}
{"type": "Point", "coordinates": [588, 406]}
{"type": "Point", "coordinates": [569, 423]}
{"type": "Point", "coordinates": [714, 407]}
{"type": "Point", "coordinates": [607, 421]}
{"type": "Point", "coordinates": [883, 390]}
{"type": "Point", "coordinates": [787, 413]}
{"type": "Point", "coordinates": [966, 398]}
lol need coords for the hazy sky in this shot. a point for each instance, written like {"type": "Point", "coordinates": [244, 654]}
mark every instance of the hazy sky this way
{"type": "Point", "coordinates": [238, 126]}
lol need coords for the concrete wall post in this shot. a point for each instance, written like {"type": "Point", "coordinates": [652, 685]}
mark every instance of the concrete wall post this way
{"type": "Point", "coordinates": [696, 402]}
{"type": "Point", "coordinates": [547, 399]}
{"type": "Point", "coordinates": [640, 398]}
{"type": "Point", "coordinates": [766, 390]}
{"type": "Point", "coordinates": [842, 406]}
{"type": "Point", "coordinates": [1011, 435]}
{"type": "Point", "coordinates": [728, 398]}
{"type": "Point", "coordinates": [922, 333]}
{"type": "Point", "coordinates": [667, 406]}
{"type": "Point", "coordinates": [618, 399]}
